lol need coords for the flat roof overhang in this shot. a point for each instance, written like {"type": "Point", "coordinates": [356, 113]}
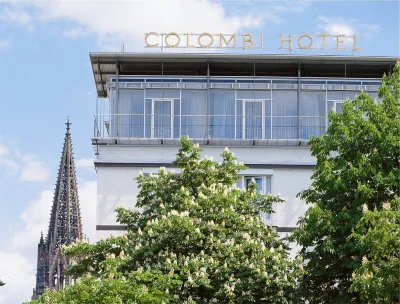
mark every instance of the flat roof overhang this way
{"type": "Point", "coordinates": [174, 64]}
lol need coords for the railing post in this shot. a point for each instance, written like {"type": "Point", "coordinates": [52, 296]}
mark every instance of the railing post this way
{"type": "Point", "coordinates": [117, 97]}
{"type": "Point", "coordinates": [208, 100]}
{"type": "Point", "coordinates": [298, 100]}
{"type": "Point", "coordinates": [94, 126]}
{"type": "Point", "coordinates": [300, 128]}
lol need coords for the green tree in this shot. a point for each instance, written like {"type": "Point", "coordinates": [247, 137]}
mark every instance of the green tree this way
{"type": "Point", "coordinates": [378, 278]}
{"type": "Point", "coordinates": [195, 231]}
{"type": "Point", "coordinates": [357, 165]}
{"type": "Point", "coordinates": [99, 280]}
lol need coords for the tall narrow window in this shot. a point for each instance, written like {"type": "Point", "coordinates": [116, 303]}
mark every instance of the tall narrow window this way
{"type": "Point", "coordinates": [336, 99]}
{"type": "Point", "coordinates": [194, 113]}
{"type": "Point", "coordinates": [127, 113]}
{"type": "Point", "coordinates": [162, 118]}
{"type": "Point", "coordinates": [312, 113]}
{"type": "Point", "coordinates": [222, 114]}
{"type": "Point", "coordinates": [338, 107]}
{"type": "Point", "coordinates": [263, 186]}
{"type": "Point", "coordinates": [258, 180]}
{"type": "Point", "coordinates": [284, 114]}
{"type": "Point", "coordinates": [253, 119]}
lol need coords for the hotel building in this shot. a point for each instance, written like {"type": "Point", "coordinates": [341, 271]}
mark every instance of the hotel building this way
{"type": "Point", "coordinates": [264, 108]}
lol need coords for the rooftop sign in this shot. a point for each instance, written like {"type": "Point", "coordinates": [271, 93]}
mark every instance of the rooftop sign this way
{"type": "Point", "coordinates": [250, 41]}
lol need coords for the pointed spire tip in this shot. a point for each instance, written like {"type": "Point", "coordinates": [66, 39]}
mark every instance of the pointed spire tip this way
{"type": "Point", "coordinates": [68, 123]}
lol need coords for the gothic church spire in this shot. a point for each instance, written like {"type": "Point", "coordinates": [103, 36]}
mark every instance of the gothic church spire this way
{"type": "Point", "coordinates": [65, 226]}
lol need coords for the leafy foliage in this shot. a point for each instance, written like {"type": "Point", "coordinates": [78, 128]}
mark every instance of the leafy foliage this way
{"type": "Point", "coordinates": [378, 278]}
{"type": "Point", "coordinates": [196, 238]}
{"type": "Point", "coordinates": [357, 165]}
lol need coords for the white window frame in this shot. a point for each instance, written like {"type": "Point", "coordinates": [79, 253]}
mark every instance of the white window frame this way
{"type": "Point", "coordinates": [335, 103]}
{"type": "Point", "coordinates": [250, 177]}
{"type": "Point", "coordinates": [244, 117]}
{"type": "Point", "coordinates": [264, 177]}
{"type": "Point", "coordinates": [171, 101]}
{"type": "Point", "coordinates": [154, 170]}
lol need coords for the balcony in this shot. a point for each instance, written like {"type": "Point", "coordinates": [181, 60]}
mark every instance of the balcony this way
{"type": "Point", "coordinates": [231, 130]}
{"type": "Point", "coordinates": [150, 110]}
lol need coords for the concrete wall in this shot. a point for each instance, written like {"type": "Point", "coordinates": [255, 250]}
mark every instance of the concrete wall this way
{"type": "Point", "coordinates": [117, 185]}
{"type": "Point", "coordinates": [252, 154]}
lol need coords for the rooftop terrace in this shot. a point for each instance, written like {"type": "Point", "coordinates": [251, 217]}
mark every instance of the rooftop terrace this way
{"type": "Point", "coordinates": [105, 65]}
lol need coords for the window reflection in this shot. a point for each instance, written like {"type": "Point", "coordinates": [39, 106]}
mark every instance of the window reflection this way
{"type": "Point", "coordinates": [242, 114]}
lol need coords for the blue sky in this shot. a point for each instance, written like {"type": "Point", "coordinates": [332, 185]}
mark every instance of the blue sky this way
{"type": "Point", "coordinates": [46, 77]}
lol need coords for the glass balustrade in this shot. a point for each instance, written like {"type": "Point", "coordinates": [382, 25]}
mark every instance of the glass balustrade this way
{"type": "Point", "coordinates": [277, 109]}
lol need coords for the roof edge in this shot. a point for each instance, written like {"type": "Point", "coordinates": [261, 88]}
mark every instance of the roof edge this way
{"type": "Point", "coordinates": [132, 55]}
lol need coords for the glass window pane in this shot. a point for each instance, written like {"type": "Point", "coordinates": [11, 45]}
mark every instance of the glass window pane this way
{"type": "Point", "coordinates": [113, 112]}
{"type": "Point", "coordinates": [239, 119]}
{"type": "Point", "coordinates": [194, 113]}
{"type": "Point", "coordinates": [373, 95]}
{"type": "Point", "coordinates": [222, 114]}
{"type": "Point", "coordinates": [152, 93]}
{"type": "Point", "coordinates": [130, 113]}
{"type": "Point", "coordinates": [342, 95]}
{"type": "Point", "coordinates": [258, 181]}
{"type": "Point", "coordinates": [312, 113]}
{"type": "Point", "coordinates": [268, 119]}
{"type": "Point", "coordinates": [331, 105]}
{"type": "Point", "coordinates": [338, 107]}
{"type": "Point", "coordinates": [177, 118]}
{"type": "Point", "coordinates": [148, 118]}
{"type": "Point", "coordinates": [284, 115]}
{"type": "Point", "coordinates": [162, 119]}
{"type": "Point", "coordinates": [252, 94]}
{"type": "Point", "coordinates": [268, 184]}
{"type": "Point", "coordinates": [253, 119]}
{"type": "Point", "coordinates": [239, 183]}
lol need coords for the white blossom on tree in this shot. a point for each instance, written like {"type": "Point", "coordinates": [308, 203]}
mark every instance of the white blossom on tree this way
{"type": "Point", "coordinates": [198, 234]}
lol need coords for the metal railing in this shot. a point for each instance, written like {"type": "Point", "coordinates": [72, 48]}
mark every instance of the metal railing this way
{"type": "Point", "coordinates": [162, 126]}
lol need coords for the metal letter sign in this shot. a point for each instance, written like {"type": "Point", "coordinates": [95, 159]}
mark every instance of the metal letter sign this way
{"type": "Point", "coordinates": [248, 41]}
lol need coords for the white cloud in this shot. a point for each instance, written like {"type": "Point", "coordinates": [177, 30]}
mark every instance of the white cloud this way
{"type": "Point", "coordinates": [15, 15]}
{"type": "Point", "coordinates": [22, 278]}
{"type": "Point", "coordinates": [349, 27]}
{"type": "Point", "coordinates": [290, 6]}
{"type": "Point", "coordinates": [25, 157]}
{"type": "Point", "coordinates": [335, 26]}
{"type": "Point", "coordinates": [6, 161]}
{"type": "Point", "coordinates": [34, 219]}
{"type": "Point", "coordinates": [35, 171]}
{"type": "Point", "coordinates": [74, 33]}
{"type": "Point", "coordinates": [27, 166]}
{"type": "Point", "coordinates": [30, 28]}
{"type": "Point", "coordinates": [11, 166]}
{"type": "Point", "coordinates": [339, 25]}
{"type": "Point", "coordinates": [85, 163]}
{"type": "Point", "coordinates": [19, 262]}
{"type": "Point", "coordinates": [127, 21]}
{"type": "Point", "coordinates": [18, 251]}
{"type": "Point", "coordinates": [3, 150]}
{"type": "Point", "coordinates": [35, 216]}
{"type": "Point", "coordinates": [370, 30]}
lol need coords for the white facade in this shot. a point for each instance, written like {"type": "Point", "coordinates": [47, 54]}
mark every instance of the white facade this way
{"type": "Point", "coordinates": [289, 170]}
{"type": "Point", "coordinates": [266, 118]}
